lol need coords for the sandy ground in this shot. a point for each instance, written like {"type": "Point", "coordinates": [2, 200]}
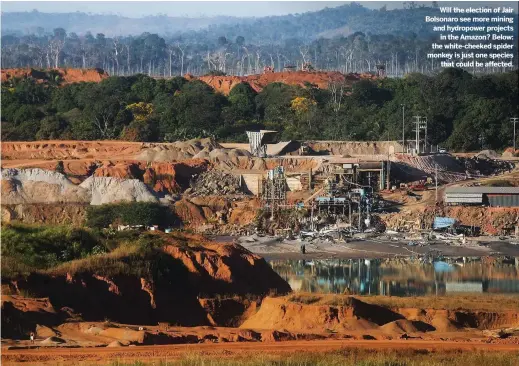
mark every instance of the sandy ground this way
{"type": "Point", "coordinates": [273, 248]}
{"type": "Point", "coordinates": [50, 356]}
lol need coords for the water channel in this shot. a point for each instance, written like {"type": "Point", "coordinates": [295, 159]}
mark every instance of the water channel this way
{"type": "Point", "coordinates": [401, 277]}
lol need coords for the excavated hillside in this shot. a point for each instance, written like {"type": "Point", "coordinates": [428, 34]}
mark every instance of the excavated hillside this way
{"type": "Point", "coordinates": [321, 79]}
{"type": "Point", "coordinates": [32, 151]}
{"type": "Point", "coordinates": [490, 220]}
{"type": "Point", "coordinates": [222, 84]}
{"type": "Point", "coordinates": [65, 75]}
{"type": "Point", "coordinates": [339, 313]}
{"type": "Point", "coordinates": [165, 284]}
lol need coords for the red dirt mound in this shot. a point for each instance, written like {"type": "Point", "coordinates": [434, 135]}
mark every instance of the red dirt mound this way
{"type": "Point", "coordinates": [230, 267]}
{"type": "Point", "coordinates": [191, 267]}
{"type": "Point", "coordinates": [66, 75]}
{"type": "Point", "coordinates": [161, 177]}
{"type": "Point", "coordinates": [20, 315]}
{"type": "Point", "coordinates": [64, 150]}
{"type": "Point", "coordinates": [228, 312]}
{"type": "Point", "coordinates": [444, 324]}
{"type": "Point", "coordinates": [399, 327]}
{"type": "Point", "coordinates": [278, 313]}
{"type": "Point", "coordinates": [224, 84]}
{"type": "Point", "coordinates": [118, 170]}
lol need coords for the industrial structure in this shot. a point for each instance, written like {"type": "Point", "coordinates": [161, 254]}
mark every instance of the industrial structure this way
{"type": "Point", "coordinates": [258, 142]}
{"type": "Point", "coordinates": [356, 171]}
{"type": "Point", "coordinates": [488, 196]}
{"type": "Point", "coordinates": [274, 188]}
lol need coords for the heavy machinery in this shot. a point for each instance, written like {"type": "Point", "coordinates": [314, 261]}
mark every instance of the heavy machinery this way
{"type": "Point", "coordinates": [420, 185]}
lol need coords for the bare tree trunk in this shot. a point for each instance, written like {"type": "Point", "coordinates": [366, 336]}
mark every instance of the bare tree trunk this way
{"type": "Point", "coordinates": [303, 50]}
{"type": "Point", "coordinates": [181, 59]}
{"type": "Point", "coordinates": [170, 57]}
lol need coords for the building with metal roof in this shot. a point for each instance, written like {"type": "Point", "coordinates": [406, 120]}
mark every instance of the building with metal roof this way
{"type": "Point", "coordinates": [490, 196]}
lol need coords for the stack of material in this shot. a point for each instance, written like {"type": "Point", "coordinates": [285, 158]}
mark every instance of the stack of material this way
{"type": "Point", "coordinates": [108, 189]}
{"type": "Point", "coordinates": [39, 186]}
{"type": "Point", "coordinates": [215, 182]}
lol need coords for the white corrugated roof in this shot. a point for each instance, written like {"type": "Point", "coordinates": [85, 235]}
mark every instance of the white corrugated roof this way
{"type": "Point", "coordinates": [484, 190]}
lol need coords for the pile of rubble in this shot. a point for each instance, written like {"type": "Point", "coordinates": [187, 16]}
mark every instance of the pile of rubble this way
{"type": "Point", "coordinates": [214, 182]}
{"type": "Point", "coordinates": [483, 165]}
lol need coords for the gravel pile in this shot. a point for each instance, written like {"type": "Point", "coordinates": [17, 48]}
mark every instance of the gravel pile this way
{"type": "Point", "coordinates": [179, 150]}
{"type": "Point", "coordinates": [37, 175]}
{"type": "Point", "coordinates": [487, 154]}
{"type": "Point", "coordinates": [109, 189]}
{"type": "Point", "coordinates": [215, 182]}
{"type": "Point", "coordinates": [39, 186]}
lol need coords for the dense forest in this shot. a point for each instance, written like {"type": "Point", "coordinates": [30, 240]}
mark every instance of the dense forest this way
{"type": "Point", "coordinates": [349, 38]}
{"type": "Point", "coordinates": [464, 112]}
{"type": "Point", "coordinates": [309, 25]}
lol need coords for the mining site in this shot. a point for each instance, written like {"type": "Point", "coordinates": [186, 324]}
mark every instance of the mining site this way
{"type": "Point", "coordinates": [281, 247]}
{"type": "Point", "coordinates": [297, 190]}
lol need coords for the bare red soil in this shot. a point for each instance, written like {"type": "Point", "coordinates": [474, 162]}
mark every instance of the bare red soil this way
{"type": "Point", "coordinates": [231, 350]}
{"type": "Point", "coordinates": [224, 84]}
{"type": "Point", "coordinates": [67, 75]}
{"type": "Point", "coordinates": [123, 289]}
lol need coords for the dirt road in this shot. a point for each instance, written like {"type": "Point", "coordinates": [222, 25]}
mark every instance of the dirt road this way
{"type": "Point", "coordinates": [150, 353]}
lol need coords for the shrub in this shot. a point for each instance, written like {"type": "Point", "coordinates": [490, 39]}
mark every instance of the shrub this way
{"type": "Point", "coordinates": [129, 213]}
{"type": "Point", "coordinates": [40, 247]}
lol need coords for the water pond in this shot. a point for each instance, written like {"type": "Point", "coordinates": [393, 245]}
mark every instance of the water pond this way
{"type": "Point", "coordinates": [401, 277]}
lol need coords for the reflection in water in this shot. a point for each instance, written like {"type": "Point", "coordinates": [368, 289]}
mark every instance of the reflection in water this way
{"type": "Point", "coordinates": [400, 277]}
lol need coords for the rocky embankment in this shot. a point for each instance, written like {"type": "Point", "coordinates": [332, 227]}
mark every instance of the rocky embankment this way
{"type": "Point", "coordinates": [188, 282]}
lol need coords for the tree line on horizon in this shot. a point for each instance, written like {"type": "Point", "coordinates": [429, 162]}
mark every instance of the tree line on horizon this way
{"type": "Point", "coordinates": [464, 112]}
{"type": "Point", "coordinates": [348, 38]}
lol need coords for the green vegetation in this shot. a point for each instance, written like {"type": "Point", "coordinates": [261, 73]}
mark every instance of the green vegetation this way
{"type": "Point", "coordinates": [40, 247]}
{"type": "Point", "coordinates": [464, 112]}
{"type": "Point", "coordinates": [346, 357]}
{"type": "Point", "coordinates": [62, 249]}
{"type": "Point", "coordinates": [139, 258]}
{"type": "Point", "coordinates": [129, 213]}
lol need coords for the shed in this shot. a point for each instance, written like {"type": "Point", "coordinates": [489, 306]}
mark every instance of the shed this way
{"type": "Point", "coordinates": [493, 196]}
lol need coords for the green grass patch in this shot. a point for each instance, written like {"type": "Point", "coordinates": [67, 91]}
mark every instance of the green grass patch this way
{"type": "Point", "coordinates": [344, 357]}
{"type": "Point", "coordinates": [64, 249]}
{"type": "Point", "coordinates": [33, 247]}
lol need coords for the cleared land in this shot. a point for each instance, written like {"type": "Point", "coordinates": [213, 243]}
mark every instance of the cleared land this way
{"type": "Point", "coordinates": [407, 352]}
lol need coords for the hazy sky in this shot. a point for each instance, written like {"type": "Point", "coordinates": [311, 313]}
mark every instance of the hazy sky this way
{"type": "Point", "coordinates": [195, 9]}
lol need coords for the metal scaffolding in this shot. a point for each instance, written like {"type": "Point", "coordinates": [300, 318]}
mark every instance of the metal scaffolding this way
{"type": "Point", "coordinates": [273, 194]}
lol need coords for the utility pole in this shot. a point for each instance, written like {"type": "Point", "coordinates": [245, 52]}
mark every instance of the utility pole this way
{"type": "Point", "coordinates": [403, 127]}
{"type": "Point", "coordinates": [425, 139]}
{"type": "Point", "coordinates": [388, 165]}
{"type": "Point", "coordinates": [514, 120]}
{"type": "Point", "coordinates": [417, 134]}
{"type": "Point", "coordinates": [421, 124]}
{"type": "Point", "coordinates": [436, 180]}
{"type": "Point", "coordinates": [360, 213]}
